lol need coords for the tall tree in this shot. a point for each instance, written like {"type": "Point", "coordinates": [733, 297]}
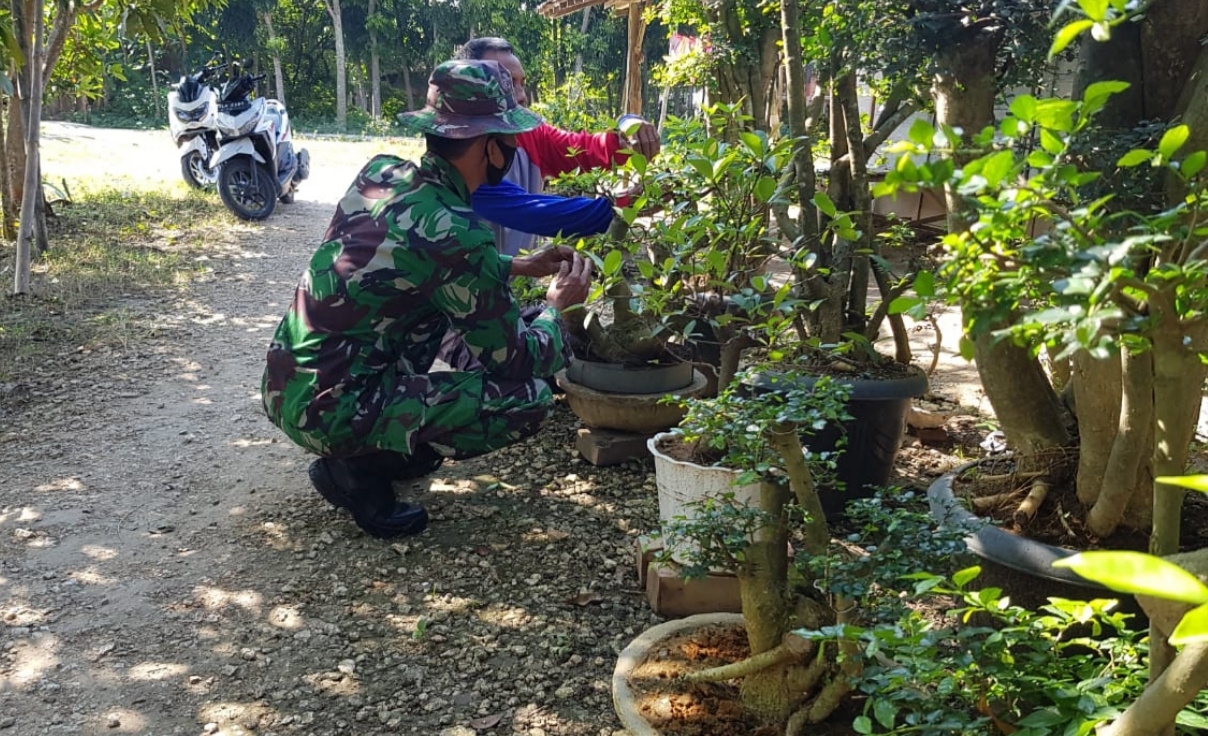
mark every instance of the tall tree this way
{"type": "Point", "coordinates": [337, 26]}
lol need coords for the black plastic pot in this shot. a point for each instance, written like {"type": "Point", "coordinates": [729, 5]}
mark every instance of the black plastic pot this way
{"type": "Point", "coordinates": [1024, 566]}
{"type": "Point", "coordinates": [618, 378]}
{"type": "Point", "coordinates": [878, 408]}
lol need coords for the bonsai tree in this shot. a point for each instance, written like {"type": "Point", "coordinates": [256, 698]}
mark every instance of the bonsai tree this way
{"type": "Point", "coordinates": [686, 269]}
{"type": "Point", "coordinates": [758, 436]}
{"type": "Point", "coordinates": [1118, 289]}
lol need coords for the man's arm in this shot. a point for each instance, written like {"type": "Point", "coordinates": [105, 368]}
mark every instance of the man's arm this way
{"type": "Point", "coordinates": [541, 214]}
{"type": "Point", "coordinates": [550, 148]}
{"type": "Point", "coordinates": [475, 295]}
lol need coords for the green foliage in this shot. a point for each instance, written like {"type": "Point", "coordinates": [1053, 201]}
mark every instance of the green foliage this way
{"type": "Point", "coordinates": [897, 537]}
{"type": "Point", "coordinates": [733, 427]}
{"type": "Point", "coordinates": [1137, 573]}
{"type": "Point", "coordinates": [577, 104]}
{"type": "Point", "coordinates": [991, 665]}
{"type": "Point", "coordinates": [1057, 265]}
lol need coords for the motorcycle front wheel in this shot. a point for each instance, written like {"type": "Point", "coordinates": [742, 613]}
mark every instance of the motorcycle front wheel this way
{"type": "Point", "coordinates": [195, 171]}
{"type": "Point", "coordinates": [247, 188]}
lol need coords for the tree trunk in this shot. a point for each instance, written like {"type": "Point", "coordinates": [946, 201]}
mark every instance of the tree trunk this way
{"type": "Point", "coordinates": [375, 67]}
{"type": "Point", "coordinates": [151, 67]}
{"type": "Point", "coordinates": [584, 24]}
{"type": "Point", "coordinates": [8, 205]}
{"type": "Point", "coordinates": [1096, 386]}
{"type": "Point", "coordinates": [337, 26]}
{"type": "Point", "coordinates": [766, 694]}
{"type": "Point", "coordinates": [407, 85]}
{"type": "Point", "coordinates": [963, 90]}
{"type": "Point", "coordinates": [860, 199]}
{"type": "Point", "coordinates": [278, 76]}
{"type": "Point", "coordinates": [32, 191]}
{"type": "Point", "coordinates": [1024, 401]}
{"type": "Point", "coordinates": [633, 65]}
{"type": "Point", "coordinates": [1128, 454]}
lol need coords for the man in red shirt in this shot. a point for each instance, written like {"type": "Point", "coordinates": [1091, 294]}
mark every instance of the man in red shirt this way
{"type": "Point", "coordinates": [546, 151]}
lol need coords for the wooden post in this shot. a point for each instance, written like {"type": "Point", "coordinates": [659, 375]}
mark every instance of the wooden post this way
{"type": "Point", "coordinates": [633, 68]}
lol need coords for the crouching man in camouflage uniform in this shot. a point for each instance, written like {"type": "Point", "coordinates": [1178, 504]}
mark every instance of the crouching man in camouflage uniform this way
{"type": "Point", "coordinates": [404, 261]}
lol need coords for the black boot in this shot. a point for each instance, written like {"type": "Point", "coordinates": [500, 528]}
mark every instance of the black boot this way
{"type": "Point", "coordinates": [359, 485]}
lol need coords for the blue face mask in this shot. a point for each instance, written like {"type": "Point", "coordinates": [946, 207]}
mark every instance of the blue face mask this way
{"type": "Point", "coordinates": [495, 173]}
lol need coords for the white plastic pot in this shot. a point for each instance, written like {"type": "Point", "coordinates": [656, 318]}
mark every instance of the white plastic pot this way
{"type": "Point", "coordinates": [681, 484]}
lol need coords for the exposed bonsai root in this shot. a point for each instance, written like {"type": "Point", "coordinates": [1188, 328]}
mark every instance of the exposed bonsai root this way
{"type": "Point", "coordinates": [1031, 504]}
{"type": "Point", "coordinates": [786, 652]}
{"type": "Point", "coordinates": [982, 504]}
{"type": "Point", "coordinates": [828, 700]}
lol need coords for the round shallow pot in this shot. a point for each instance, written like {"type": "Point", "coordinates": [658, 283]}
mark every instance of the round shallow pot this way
{"type": "Point", "coordinates": [623, 697]}
{"type": "Point", "coordinates": [1026, 566]}
{"type": "Point", "coordinates": [641, 413]}
{"type": "Point", "coordinates": [681, 484]}
{"type": "Point", "coordinates": [618, 378]}
{"type": "Point", "coordinates": [878, 408]}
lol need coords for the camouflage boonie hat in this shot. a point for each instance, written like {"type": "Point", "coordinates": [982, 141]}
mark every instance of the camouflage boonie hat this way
{"type": "Point", "coordinates": [468, 99]}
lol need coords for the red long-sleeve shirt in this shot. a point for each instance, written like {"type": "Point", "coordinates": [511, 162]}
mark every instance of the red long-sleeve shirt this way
{"type": "Point", "coordinates": [549, 149]}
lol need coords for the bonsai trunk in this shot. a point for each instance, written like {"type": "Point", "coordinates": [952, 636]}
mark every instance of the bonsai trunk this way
{"type": "Point", "coordinates": [765, 607]}
{"type": "Point", "coordinates": [1024, 401]}
{"type": "Point", "coordinates": [1118, 473]}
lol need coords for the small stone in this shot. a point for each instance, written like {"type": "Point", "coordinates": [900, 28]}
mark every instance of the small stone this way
{"type": "Point", "coordinates": [347, 666]}
{"type": "Point", "coordinates": [210, 727]}
{"type": "Point", "coordinates": [564, 692]}
{"type": "Point", "coordinates": [248, 654]}
{"type": "Point", "coordinates": [113, 721]}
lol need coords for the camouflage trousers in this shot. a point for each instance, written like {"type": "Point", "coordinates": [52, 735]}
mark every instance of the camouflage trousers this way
{"type": "Point", "coordinates": [462, 414]}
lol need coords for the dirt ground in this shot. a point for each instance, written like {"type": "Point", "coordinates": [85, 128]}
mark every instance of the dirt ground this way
{"type": "Point", "coordinates": [165, 567]}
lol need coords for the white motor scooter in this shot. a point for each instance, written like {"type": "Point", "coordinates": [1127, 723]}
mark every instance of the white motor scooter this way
{"type": "Point", "coordinates": [255, 160]}
{"type": "Point", "coordinates": [192, 120]}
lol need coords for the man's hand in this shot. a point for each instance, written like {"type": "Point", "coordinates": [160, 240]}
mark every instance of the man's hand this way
{"type": "Point", "coordinates": [642, 135]}
{"type": "Point", "coordinates": [543, 263]}
{"type": "Point", "coordinates": [570, 284]}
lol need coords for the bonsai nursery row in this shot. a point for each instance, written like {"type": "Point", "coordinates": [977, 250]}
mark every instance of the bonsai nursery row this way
{"type": "Point", "coordinates": [736, 287]}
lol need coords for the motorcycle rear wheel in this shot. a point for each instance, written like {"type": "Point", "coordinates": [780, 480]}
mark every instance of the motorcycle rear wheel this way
{"type": "Point", "coordinates": [195, 171]}
{"type": "Point", "coordinates": [247, 188]}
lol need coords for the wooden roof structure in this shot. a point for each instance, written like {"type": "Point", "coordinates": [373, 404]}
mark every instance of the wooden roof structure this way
{"type": "Point", "coordinates": [558, 8]}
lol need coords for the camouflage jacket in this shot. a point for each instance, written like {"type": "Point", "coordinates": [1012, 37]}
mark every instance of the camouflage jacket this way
{"type": "Point", "coordinates": [404, 260]}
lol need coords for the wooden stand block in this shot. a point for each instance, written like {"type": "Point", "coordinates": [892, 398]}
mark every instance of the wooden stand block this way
{"type": "Point", "coordinates": [672, 596]}
{"type": "Point", "coordinates": [610, 447]}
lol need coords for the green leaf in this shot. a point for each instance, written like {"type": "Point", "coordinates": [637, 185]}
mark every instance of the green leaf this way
{"type": "Point", "coordinates": [1097, 95]}
{"type": "Point", "coordinates": [702, 166]}
{"type": "Point", "coordinates": [884, 712]}
{"type": "Point", "coordinates": [1193, 164]}
{"type": "Point", "coordinates": [921, 132]}
{"type": "Point", "coordinates": [904, 304]}
{"type": "Point", "coordinates": [1173, 140]}
{"type": "Point", "coordinates": [1050, 142]}
{"type": "Point", "coordinates": [1193, 627]}
{"type": "Point", "coordinates": [646, 268]}
{"type": "Point", "coordinates": [962, 577]}
{"type": "Point", "coordinates": [997, 167]}
{"type": "Point", "coordinates": [1096, 10]}
{"type": "Point", "coordinates": [924, 284]}
{"type": "Point", "coordinates": [765, 189]}
{"type": "Point", "coordinates": [966, 348]}
{"type": "Point", "coordinates": [1139, 574]}
{"type": "Point", "coordinates": [823, 202]}
{"type": "Point", "coordinates": [1067, 34]}
{"type": "Point", "coordinates": [612, 262]}
{"type": "Point", "coordinates": [1192, 482]}
{"type": "Point", "coordinates": [1135, 157]}
{"type": "Point", "coordinates": [1024, 108]}
{"type": "Point", "coordinates": [753, 143]}
{"type": "Point", "coordinates": [1056, 114]}
{"type": "Point", "coordinates": [862, 724]}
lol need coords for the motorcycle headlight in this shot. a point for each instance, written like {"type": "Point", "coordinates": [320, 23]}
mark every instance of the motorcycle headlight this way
{"type": "Point", "coordinates": [191, 116]}
{"type": "Point", "coordinates": [247, 127]}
